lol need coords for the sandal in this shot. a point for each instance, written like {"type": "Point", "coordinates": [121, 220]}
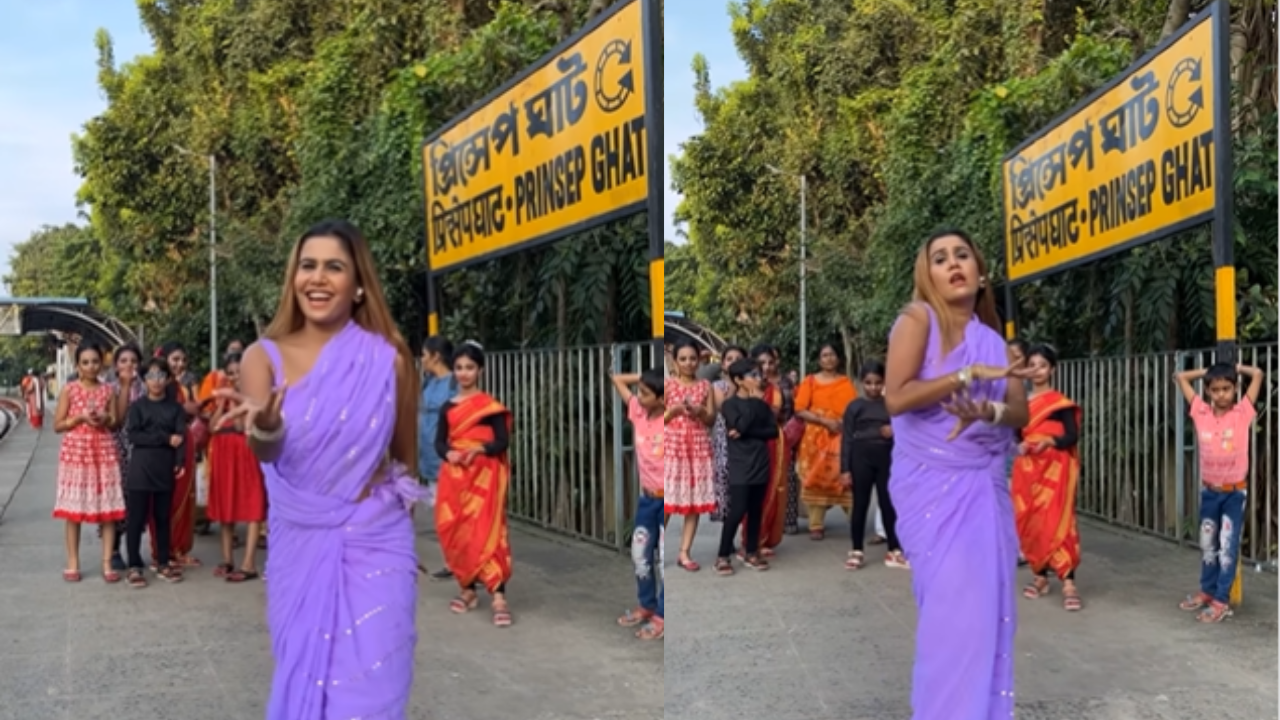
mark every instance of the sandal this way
{"type": "Point", "coordinates": [71, 576]}
{"type": "Point", "coordinates": [190, 562]}
{"type": "Point", "coordinates": [688, 566]}
{"type": "Point", "coordinates": [240, 576]}
{"type": "Point", "coordinates": [1036, 589]}
{"type": "Point", "coordinates": [896, 560]}
{"type": "Point", "coordinates": [171, 574]}
{"type": "Point", "coordinates": [817, 535]}
{"type": "Point", "coordinates": [768, 553]}
{"type": "Point", "coordinates": [724, 568]}
{"type": "Point", "coordinates": [855, 560]}
{"type": "Point", "coordinates": [137, 580]}
{"type": "Point", "coordinates": [501, 615]}
{"type": "Point", "coordinates": [223, 570]}
{"type": "Point", "coordinates": [756, 562]}
{"type": "Point", "coordinates": [110, 577]}
{"type": "Point", "coordinates": [1196, 602]}
{"type": "Point", "coordinates": [635, 618]}
{"type": "Point", "coordinates": [652, 631]}
{"type": "Point", "coordinates": [877, 540]}
{"type": "Point", "coordinates": [462, 605]}
{"type": "Point", "coordinates": [1215, 613]}
{"type": "Point", "coordinates": [1071, 601]}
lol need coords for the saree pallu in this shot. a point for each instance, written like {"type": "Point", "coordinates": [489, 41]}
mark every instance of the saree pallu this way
{"type": "Point", "coordinates": [1044, 491]}
{"type": "Point", "coordinates": [955, 521]}
{"type": "Point", "coordinates": [471, 501]}
{"type": "Point", "coordinates": [342, 599]}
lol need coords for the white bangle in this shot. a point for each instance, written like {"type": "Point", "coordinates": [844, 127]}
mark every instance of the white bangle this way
{"type": "Point", "coordinates": [266, 438]}
{"type": "Point", "coordinates": [998, 409]}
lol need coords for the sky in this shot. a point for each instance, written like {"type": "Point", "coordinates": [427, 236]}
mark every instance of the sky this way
{"type": "Point", "coordinates": [48, 90]}
{"type": "Point", "coordinates": [694, 27]}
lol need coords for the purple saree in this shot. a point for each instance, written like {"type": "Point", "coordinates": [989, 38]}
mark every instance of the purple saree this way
{"type": "Point", "coordinates": [955, 520]}
{"type": "Point", "coordinates": [343, 588]}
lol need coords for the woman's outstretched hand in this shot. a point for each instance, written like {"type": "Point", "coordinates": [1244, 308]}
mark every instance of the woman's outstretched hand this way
{"type": "Point", "coordinates": [266, 417]}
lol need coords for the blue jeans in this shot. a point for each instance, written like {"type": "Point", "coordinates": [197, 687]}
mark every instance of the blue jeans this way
{"type": "Point", "coordinates": [1221, 522]}
{"type": "Point", "coordinates": [647, 552]}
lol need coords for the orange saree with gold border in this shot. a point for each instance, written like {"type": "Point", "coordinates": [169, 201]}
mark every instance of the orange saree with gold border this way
{"type": "Point", "coordinates": [471, 500]}
{"type": "Point", "coordinates": [1044, 490]}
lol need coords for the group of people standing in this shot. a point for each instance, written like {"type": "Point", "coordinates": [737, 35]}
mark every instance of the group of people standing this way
{"type": "Point", "coordinates": [133, 439]}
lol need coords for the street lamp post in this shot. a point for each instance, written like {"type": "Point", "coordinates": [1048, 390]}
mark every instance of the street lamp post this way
{"type": "Point", "coordinates": [213, 256]}
{"type": "Point", "coordinates": [804, 249]}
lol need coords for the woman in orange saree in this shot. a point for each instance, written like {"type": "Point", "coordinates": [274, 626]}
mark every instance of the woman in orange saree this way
{"type": "Point", "coordinates": [820, 402]}
{"type": "Point", "coordinates": [471, 496]}
{"type": "Point", "coordinates": [1045, 478]}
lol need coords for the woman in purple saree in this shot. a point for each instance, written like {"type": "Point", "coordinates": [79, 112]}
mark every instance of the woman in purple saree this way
{"type": "Point", "coordinates": [343, 590]}
{"type": "Point", "coordinates": [953, 420]}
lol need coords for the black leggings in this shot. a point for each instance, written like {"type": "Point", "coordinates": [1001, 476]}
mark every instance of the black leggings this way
{"type": "Point", "coordinates": [870, 469]}
{"type": "Point", "coordinates": [744, 501]}
{"type": "Point", "coordinates": [144, 505]}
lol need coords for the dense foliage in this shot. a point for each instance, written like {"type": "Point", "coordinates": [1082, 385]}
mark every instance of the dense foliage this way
{"type": "Point", "coordinates": [898, 112]}
{"type": "Point", "coordinates": [315, 109]}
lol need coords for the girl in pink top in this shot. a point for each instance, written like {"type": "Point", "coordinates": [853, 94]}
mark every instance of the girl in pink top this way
{"type": "Point", "coordinates": [645, 410]}
{"type": "Point", "coordinates": [1222, 430]}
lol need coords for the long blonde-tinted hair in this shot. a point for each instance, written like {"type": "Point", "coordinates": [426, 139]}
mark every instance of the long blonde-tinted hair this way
{"type": "Point", "coordinates": [372, 313]}
{"type": "Point", "coordinates": [984, 304]}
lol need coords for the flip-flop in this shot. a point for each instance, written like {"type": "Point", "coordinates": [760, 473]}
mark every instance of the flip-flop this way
{"type": "Point", "coordinates": [223, 570]}
{"type": "Point", "coordinates": [635, 618]}
{"type": "Point", "coordinates": [653, 630]}
{"type": "Point", "coordinates": [241, 576]}
{"type": "Point", "coordinates": [71, 576]}
{"type": "Point", "coordinates": [111, 577]}
{"type": "Point", "coordinates": [689, 566]}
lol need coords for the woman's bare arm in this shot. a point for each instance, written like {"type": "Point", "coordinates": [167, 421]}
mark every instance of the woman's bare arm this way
{"type": "Point", "coordinates": [256, 382]}
{"type": "Point", "coordinates": [61, 422]}
{"type": "Point", "coordinates": [1016, 414]}
{"type": "Point", "coordinates": [904, 391]}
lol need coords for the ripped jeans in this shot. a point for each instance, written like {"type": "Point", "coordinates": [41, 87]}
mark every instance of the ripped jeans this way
{"type": "Point", "coordinates": [1221, 522]}
{"type": "Point", "coordinates": [647, 552]}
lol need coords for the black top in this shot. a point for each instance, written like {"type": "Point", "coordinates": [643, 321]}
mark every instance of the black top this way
{"type": "Point", "coordinates": [497, 423]}
{"type": "Point", "coordinates": [151, 425]}
{"type": "Point", "coordinates": [864, 420]}
{"type": "Point", "coordinates": [1070, 431]}
{"type": "Point", "coordinates": [748, 454]}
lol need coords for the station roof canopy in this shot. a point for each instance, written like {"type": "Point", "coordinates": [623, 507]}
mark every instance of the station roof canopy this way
{"type": "Point", "coordinates": [677, 324]}
{"type": "Point", "coordinates": [76, 316]}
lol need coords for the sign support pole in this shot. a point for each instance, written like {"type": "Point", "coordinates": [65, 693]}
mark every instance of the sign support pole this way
{"type": "Point", "coordinates": [433, 305]}
{"type": "Point", "coordinates": [653, 54]}
{"type": "Point", "coordinates": [1011, 312]}
{"type": "Point", "coordinates": [1224, 261]}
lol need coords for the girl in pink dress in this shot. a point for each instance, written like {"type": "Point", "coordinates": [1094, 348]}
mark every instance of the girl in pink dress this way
{"type": "Point", "coordinates": [89, 481]}
{"type": "Point", "coordinates": [688, 486]}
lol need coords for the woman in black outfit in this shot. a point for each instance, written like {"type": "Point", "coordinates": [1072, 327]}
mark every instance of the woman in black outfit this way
{"type": "Point", "coordinates": [866, 451]}
{"type": "Point", "coordinates": [749, 425]}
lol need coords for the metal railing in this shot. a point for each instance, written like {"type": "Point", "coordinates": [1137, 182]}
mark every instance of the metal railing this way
{"type": "Point", "coordinates": [1140, 467]}
{"type": "Point", "coordinates": [572, 453]}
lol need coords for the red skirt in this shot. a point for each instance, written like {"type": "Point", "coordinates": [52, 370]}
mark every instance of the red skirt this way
{"type": "Point", "coordinates": [237, 493]}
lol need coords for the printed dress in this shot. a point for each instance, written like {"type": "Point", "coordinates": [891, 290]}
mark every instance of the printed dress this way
{"type": "Point", "coordinates": [89, 479]}
{"type": "Point", "coordinates": [720, 458]}
{"type": "Point", "coordinates": [688, 471]}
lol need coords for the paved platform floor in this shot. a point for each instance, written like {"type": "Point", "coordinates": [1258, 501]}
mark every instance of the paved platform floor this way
{"type": "Point", "coordinates": [200, 649]}
{"type": "Point", "coordinates": [809, 640]}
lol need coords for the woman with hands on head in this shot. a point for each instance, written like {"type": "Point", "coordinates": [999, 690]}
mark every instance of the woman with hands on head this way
{"type": "Point", "coordinates": [954, 413]}
{"type": "Point", "coordinates": [337, 450]}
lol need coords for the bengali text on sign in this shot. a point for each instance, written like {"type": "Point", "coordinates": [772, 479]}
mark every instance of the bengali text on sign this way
{"type": "Point", "coordinates": [1131, 165]}
{"type": "Point", "coordinates": [563, 148]}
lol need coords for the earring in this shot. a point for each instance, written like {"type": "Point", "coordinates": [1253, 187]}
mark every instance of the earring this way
{"type": "Point", "coordinates": [982, 282]}
{"type": "Point", "coordinates": [359, 294]}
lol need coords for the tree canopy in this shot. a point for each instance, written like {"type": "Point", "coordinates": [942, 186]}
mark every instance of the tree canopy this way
{"type": "Point", "coordinates": [898, 112]}
{"type": "Point", "coordinates": [315, 109]}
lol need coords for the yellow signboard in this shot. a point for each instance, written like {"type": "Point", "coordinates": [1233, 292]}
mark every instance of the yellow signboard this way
{"type": "Point", "coordinates": [1133, 164]}
{"type": "Point", "coordinates": [561, 148]}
